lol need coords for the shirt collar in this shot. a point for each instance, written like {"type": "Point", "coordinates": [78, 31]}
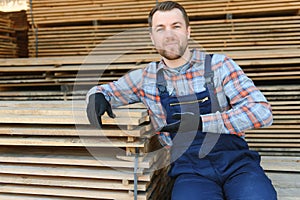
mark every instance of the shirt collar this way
{"type": "Point", "coordinates": [197, 57]}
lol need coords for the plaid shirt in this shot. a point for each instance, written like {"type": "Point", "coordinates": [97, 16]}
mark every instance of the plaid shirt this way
{"type": "Point", "coordinates": [243, 106]}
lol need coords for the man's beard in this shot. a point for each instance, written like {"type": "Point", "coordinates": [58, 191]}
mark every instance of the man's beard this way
{"type": "Point", "coordinates": [173, 53]}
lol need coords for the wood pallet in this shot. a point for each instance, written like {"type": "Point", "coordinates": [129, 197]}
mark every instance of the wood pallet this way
{"type": "Point", "coordinates": [56, 153]}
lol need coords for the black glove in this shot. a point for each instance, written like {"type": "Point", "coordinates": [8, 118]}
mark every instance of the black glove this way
{"type": "Point", "coordinates": [187, 121]}
{"type": "Point", "coordinates": [96, 107]}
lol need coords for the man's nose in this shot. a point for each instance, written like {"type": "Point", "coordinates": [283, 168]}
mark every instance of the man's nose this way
{"type": "Point", "coordinates": [169, 33]}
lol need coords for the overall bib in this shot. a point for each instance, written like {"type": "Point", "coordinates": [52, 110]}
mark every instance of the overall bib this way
{"type": "Point", "coordinates": [211, 166]}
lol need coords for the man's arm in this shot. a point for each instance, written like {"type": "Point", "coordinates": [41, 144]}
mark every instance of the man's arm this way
{"type": "Point", "coordinates": [120, 92]}
{"type": "Point", "coordinates": [250, 109]}
{"type": "Point", "coordinates": [101, 98]}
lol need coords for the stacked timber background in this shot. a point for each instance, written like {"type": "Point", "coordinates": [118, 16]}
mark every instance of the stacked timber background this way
{"type": "Point", "coordinates": [48, 150]}
{"type": "Point", "coordinates": [8, 46]}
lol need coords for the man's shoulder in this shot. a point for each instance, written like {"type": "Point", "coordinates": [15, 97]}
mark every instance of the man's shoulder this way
{"type": "Point", "coordinates": [151, 67]}
{"type": "Point", "coordinates": [218, 57]}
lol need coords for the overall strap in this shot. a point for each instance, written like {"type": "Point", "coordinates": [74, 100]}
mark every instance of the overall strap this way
{"type": "Point", "coordinates": [209, 82]}
{"type": "Point", "coordinates": [211, 138]}
{"type": "Point", "coordinates": [161, 82]}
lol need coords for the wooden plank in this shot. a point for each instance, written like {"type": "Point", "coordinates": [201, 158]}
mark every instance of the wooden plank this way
{"type": "Point", "coordinates": [286, 184]}
{"type": "Point", "coordinates": [70, 182]}
{"type": "Point", "coordinates": [69, 141]}
{"type": "Point", "coordinates": [73, 171]}
{"type": "Point", "coordinates": [282, 164]}
{"type": "Point", "coordinates": [59, 119]}
{"type": "Point", "coordinates": [10, 196]}
{"type": "Point", "coordinates": [48, 130]}
{"type": "Point", "coordinates": [67, 192]}
{"type": "Point", "coordinates": [103, 157]}
{"type": "Point", "coordinates": [285, 180]}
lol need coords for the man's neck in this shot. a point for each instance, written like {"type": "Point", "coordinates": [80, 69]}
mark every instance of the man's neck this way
{"type": "Point", "coordinates": [180, 61]}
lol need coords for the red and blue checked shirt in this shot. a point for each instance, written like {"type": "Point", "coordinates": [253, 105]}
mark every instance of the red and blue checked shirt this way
{"type": "Point", "coordinates": [243, 106]}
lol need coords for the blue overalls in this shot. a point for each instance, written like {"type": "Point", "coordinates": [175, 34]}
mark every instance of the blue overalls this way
{"type": "Point", "coordinates": [211, 166]}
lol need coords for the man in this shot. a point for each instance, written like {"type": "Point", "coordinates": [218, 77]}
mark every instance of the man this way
{"type": "Point", "coordinates": [203, 125]}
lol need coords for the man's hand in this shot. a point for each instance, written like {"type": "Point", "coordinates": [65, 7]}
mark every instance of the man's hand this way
{"type": "Point", "coordinates": [187, 121]}
{"type": "Point", "coordinates": [96, 107]}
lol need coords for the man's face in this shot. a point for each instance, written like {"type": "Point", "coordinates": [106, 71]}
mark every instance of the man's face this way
{"type": "Point", "coordinates": [169, 33]}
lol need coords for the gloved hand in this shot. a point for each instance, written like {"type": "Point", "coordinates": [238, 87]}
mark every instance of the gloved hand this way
{"type": "Point", "coordinates": [96, 107]}
{"type": "Point", "coordinates": [187, 121]}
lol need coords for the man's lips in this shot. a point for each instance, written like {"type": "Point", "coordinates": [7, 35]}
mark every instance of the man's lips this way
{"type": "Point", "coordinates": [171, 44]}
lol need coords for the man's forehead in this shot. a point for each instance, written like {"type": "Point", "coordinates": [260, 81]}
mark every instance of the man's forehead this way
{"type": "Point", "coordinates": [167, 17]}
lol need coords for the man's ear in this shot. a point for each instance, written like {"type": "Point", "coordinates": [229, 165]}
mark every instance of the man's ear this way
{"type": "Point", "coordinates": [189, 32]}
{"type": "Point", "coordinates": [151, 36]}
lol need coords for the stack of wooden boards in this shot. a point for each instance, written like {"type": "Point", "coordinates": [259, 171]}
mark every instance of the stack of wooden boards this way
{"type": "Point", "coordinates": [64, 27]}
{"type": "Point", "coordinates": [8, 47]}
{"type": "Point", "coordinates": [49, 151]}
{"type": "Point", "coordinates": [264, 33]}
{"type": "Point", "coordinates": [65, 11]}
{"type": "Point", "coordinates": [66, 73]}
{"type": "Point", "coordinates": [279, 144]}
{"type": "Point", "coordinates": [20, 26]}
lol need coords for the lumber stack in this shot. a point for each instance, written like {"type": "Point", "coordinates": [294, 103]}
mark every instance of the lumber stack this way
{"type": "Point", "coordinates": [77, 28]}
{"type": "Point", "coordinates": [48, 149]}
{"type": "Point", "coordinates": [283, 137]}
{"type": "Point", "coordinates": [8, 47]}
{"type": "Point", "coordinates": [279, 144]}
{"type": "Point", "coordinates": [20, 26]}
{"type": "Point", "coordinates": [45, 13]}
{"type": "Point", "coordinates": [31, 78]}
{"type": "Point", "coordinates": [246, 34]}
{"type": "Point", "coordinates": [62, 74]}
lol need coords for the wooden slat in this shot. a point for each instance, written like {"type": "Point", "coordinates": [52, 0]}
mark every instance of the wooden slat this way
{"type": "Point", "coordinates": [67, 192]}
{"type": "Point", "coordinates": [286, 184]}
{"type": "Point", "coordinates": [11, 196]}
{"type": "Point", "coordinates": [279, 163]}
{"type": "Point", "coordinates": [69, 182]}
{"type": "Point", "coordinates": [104, 157]}
{"type": "Point", "coordinates": [51, 115]}
{"type": "Point", "coordinates": [55, 130]}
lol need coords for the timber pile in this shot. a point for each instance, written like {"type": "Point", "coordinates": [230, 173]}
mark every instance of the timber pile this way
{"type": "Point", "coordinates": [283, 137]}
{"type": "Point", "coordinates": [47, 13]}
{"type": "Point", "coordinates": [49, 149]}
{"type": "Point", "coordinates": [72, 74]}
{"type": "Point", "coordinates": [279, 144]}
{"type": "Point", "coordinates": [66, 73]}
{"type": "Point", "coordinates": [264, 33]}
{"type": "Point", "coordinates": [8, 47]}
{"type": "Point", "coordinates": [20, 26]}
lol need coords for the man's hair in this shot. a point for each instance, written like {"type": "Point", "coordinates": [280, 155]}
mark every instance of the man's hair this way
{"type": "Point", "coordinates": [167, 6]}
